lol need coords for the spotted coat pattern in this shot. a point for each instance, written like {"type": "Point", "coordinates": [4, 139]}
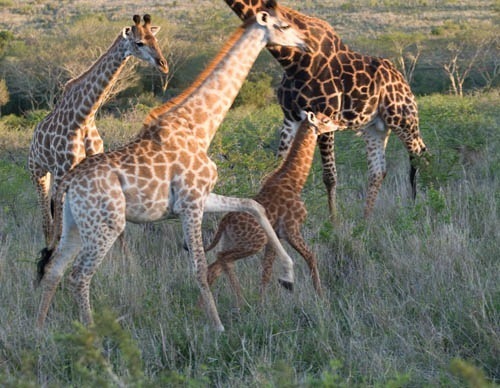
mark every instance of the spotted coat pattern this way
{"type": "Point", "coordinates": [68, 134]}
{"type": "Point", "coordinates": [164, 172]}
{"type": "Point", "coordinates": [241, 234]}
{"type": "Point", "coordinates": [366, 94]}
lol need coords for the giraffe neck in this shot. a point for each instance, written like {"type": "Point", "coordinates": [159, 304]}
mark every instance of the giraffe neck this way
{"type": "Point", "coordinates": [297, 163]}
{"type": "Point", "coordinates": [206, 102]}
{"type": "Point", "coordinates": [87, 92]}
{"type": "Point", "coordinates": [318, 34]}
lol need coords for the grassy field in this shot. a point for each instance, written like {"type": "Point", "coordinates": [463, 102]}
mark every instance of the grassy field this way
{"type": "Point", "coordinates": [407, 293]}
{"type": "Point", "coordinates": [412, 294]}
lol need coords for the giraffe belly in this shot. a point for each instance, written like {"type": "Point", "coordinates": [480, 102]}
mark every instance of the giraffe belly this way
{"type": "Point", "coordinates": [145, 208]}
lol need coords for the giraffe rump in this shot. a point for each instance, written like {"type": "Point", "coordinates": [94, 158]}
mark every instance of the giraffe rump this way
{"type": "Point", "coordinates": [43, 260]}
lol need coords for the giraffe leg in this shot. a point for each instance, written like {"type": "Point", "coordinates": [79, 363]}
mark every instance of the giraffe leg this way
{"type": "Point", "coordinates": [219, 203]}
{"type": "Point", "coordinates": [95, 247]}
{"type": "Point", "coordinates": [191, 225]}
{"type": "Point", "coordinates": [42, 185]}
{"type": "Point", "coordinates": [68, 247]}
{"type": "Point", "coordinates": [326, 144]}
{"type": "Point", "coordinates": [225, 263]}
{"type": "Point", "coordinates": [235, 283]}
{"type": "Point", "coordinates": [296, 240]}
{"type": "Point", "coordinates": [267, 270]}
{"type": "Point", "coordinates": [376, 141]}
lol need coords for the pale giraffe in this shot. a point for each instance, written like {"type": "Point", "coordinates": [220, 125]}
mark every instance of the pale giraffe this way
{"type": "Point", "coordinates": [280, 194]}
{"type": "Point", "coordinates": [68, 134]}
{"type": "Point", "coordinates": [164, 172]}
{"type": "Point", "coordinates": [366, 94]}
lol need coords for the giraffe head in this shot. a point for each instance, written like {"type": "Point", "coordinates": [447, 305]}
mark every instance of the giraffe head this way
{"type": "Point", "coordinates": [320, 122]}
{"type": "Point", "coordinates": [142, 42]}
{"type": "Point", "coordinates": [280, 32]}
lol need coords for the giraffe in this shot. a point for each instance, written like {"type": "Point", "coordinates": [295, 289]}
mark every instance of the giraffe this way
{"type": "Point", "coordinates": [165, 171]}
{"type": "Point", "coordinates": [280, 195]}
{"type": "Point", "coordinates": [68, 134]}
{"type": "Point", "coordinates": [366, 94]}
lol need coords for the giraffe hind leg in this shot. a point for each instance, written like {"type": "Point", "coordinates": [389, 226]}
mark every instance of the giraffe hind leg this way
{"type": "Point", "coordinates": [53, 265]}
{"type": "Point", "coordinates": [95, 247]}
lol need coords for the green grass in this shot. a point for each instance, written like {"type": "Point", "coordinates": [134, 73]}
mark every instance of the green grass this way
{"type": "Point", "coordinates": [412, 295]}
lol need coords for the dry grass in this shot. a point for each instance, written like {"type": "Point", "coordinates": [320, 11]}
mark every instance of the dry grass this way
{"type": "Point", "coordinates": [406, 292]}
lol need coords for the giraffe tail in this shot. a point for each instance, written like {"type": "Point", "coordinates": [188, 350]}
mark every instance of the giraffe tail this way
{"type": "Point", "coordinates": [45, 254]}
{"type": "Point", "coordinates": [218, 235]}
{"type": "Point", "coordinates": [43, 260]}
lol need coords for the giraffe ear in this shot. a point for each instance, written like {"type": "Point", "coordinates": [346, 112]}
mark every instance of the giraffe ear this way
{"type": "Point", "coordinates": [311, 117]}
{"type": "Point", "coordinates": [262, 18]}
{"type": "Point", "coordinates": [126, 32]}
{"type": "Point", "coordinates": [155, 29]}
{"type": "Point", "coordinates": [303, 114]}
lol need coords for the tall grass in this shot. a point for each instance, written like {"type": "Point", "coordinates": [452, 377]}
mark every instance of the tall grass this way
{"type": "Point", "coordinates": [412, 295]}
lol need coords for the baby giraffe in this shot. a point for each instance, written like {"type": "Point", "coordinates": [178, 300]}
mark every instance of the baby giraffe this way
{"type": "Point", "coordinates": [280, 196]}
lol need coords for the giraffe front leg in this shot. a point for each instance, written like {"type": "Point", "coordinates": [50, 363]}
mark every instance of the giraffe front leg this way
{"type": "Point", "coordinates": [191, 225]}
{"type": "Point", "coordinates": [376, 141]}
{"type": "Point", "coordinates": [326, 144]}
{"type": "Point", "coordinates": [296, 240]}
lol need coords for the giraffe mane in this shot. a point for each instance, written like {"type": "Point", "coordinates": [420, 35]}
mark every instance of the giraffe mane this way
{"type": "Point", "coordinates": [173, 102]}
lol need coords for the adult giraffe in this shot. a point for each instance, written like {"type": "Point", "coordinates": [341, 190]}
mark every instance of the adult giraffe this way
{"type": "Point", "coordinates": [68, 134]}
{"type": "Point", "coordinates": [165, 171]}
{"type": "Point", "coordinates": [364, 93]}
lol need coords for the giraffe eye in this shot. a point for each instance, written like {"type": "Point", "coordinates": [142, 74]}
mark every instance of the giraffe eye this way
{"type": "Point", "coordinates": [285, 27]}
{"type": "Point", "coordinates": [139, 44]}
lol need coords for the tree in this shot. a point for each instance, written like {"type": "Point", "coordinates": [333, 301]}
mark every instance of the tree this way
{"type": "Point", "coordinates": [405, 49]}
{"type": "Point", "coordinates": [468, 48]}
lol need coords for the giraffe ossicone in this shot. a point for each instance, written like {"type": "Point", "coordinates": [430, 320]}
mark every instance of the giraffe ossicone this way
{"type": "Point", "coordinates": [68, 134]}
{"type": "Point", "coordinates": [164, 171]}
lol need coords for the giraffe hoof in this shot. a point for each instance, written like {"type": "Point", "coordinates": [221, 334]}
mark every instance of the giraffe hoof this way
{"type": "Point", "coordinates": [286, 284]}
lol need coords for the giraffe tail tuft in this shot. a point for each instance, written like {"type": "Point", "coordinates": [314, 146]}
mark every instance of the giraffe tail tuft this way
{"type": "Point", "coordinates": [217, 236]}
{"type": "Point", "coordinates": [43, 260]}
{"type": "Point", "coordinates": [286, 284]}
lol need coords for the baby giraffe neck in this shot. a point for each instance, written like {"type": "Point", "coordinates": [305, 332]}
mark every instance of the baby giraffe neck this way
{"type": "Point", "coordinates": [298, 161]}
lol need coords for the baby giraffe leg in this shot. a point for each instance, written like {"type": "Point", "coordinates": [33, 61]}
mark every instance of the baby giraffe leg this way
{"type": "Point", "coordinates": [219, 203]}
{"type": "Point", "coordinates": [225, 262]}
{"type": "Point", "coordinates": [267, 270]}
{"type": "Point", "coordinates": [296, 240]}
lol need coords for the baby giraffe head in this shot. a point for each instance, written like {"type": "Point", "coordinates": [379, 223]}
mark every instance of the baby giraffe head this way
{"type": "Point", "coordinates": [319, 122]}
{"type": "Point", "coordinates": [278, 29]}
{"type": "Point", "coordinates": [142, 42]}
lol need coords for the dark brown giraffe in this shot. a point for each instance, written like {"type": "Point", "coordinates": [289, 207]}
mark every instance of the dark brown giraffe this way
{"type": "Point", "coordinates": [366, 94]}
